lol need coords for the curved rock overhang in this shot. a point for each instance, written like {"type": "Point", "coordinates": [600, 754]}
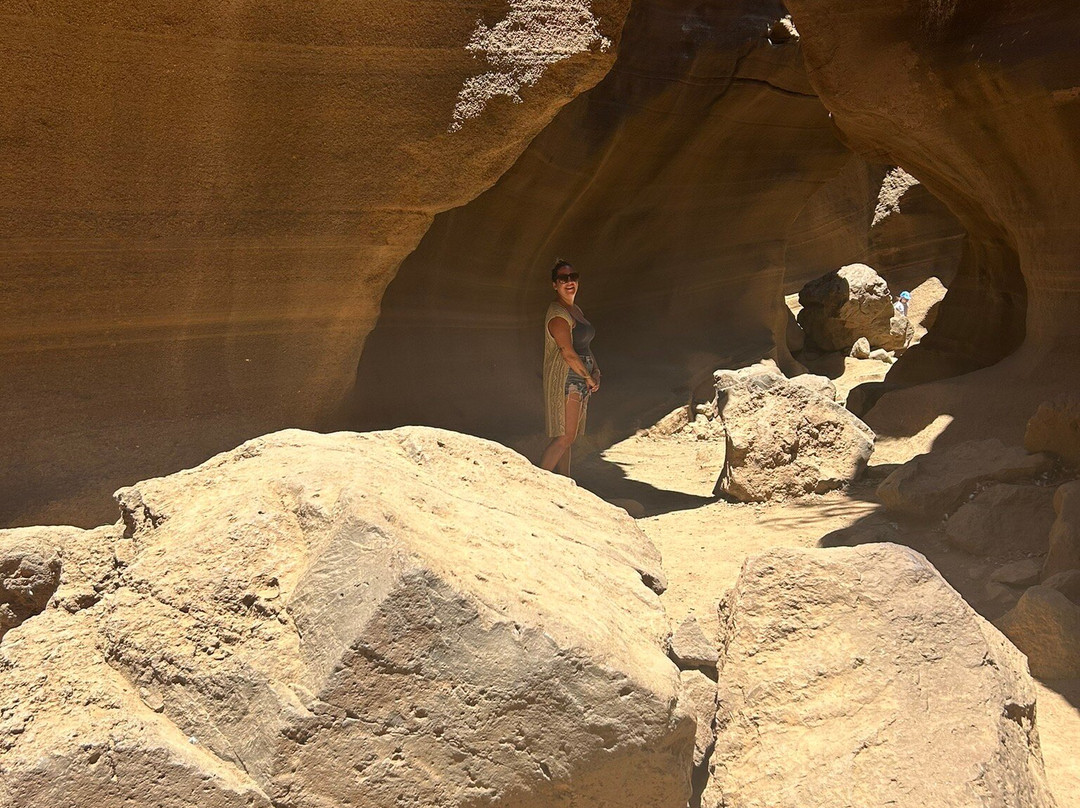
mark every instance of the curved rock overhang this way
{"type": "Point", "coordinates": [670, 186]}
{"type": "Point", "coordinates": [979, 100]}
{"type": "Point", "coordinates": [204, 203]}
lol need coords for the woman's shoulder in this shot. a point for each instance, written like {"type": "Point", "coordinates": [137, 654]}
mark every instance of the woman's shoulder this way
{"type": "Point", "coordinates": [557, 309]}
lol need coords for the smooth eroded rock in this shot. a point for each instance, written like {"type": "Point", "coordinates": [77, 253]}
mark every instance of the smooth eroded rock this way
{"type": "Point", "coordinates": [857, 678]}
{"type": "Point", "coordinates": [638, 182]}
{"type": "Point", "coordinates": [878, 215]}
{"type": "Point", "coordinates": [1055, 428]}
{"type": "Point", "coordinates": [947, 90]}
{"type": "Point", "coordinates": [1067, 583]}
{"type": "Point", "coordinates": [314, 619]}
{"type": "Point", "coordinates": [934, 484]}
{"type": "Point", "coordinates": [1024, 572]}
{"type": "Point", "coordinates": [217, 195]}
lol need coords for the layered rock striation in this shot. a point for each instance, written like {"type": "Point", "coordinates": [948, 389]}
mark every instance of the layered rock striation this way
{"type": "Point", "coordinates": [876, 215]}
{"type": "Point", "coordinates": [204, 204]}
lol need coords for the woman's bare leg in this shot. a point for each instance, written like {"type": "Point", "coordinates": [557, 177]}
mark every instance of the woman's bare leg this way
{"type": "Point", "coordinates": [563, 466]}
{"type": "Point", "coordinates": [553, 458]}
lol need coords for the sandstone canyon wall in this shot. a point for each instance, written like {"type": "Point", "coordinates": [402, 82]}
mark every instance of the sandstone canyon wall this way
{"type": "Point", "coordinates": [877, 215]}
{"type": "Point", "coordinates": [670, 186]}
{"type": "Point", "coordinates": [979, 101]}
{"type": "Point", "coordinates": [204, 202]}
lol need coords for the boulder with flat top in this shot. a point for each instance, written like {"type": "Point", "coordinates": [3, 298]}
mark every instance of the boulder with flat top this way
{"type": "Point", "coordinates": [785, 437]}
{"type": "Point", "coordinates": [932, 485]}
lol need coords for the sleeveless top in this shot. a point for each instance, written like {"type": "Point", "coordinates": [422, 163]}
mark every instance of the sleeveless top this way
{"type": "Point", "coordinates": [555, 370]}
{"type": "Point", "coordinates": [583, 332]}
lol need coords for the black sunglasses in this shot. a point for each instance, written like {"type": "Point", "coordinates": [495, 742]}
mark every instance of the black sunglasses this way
{"type": "Point", "coordinates": [570, 276]}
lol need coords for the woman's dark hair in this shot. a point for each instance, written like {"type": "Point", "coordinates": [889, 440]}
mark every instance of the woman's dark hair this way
{"type": "Point", "coordinates": [559, 264]}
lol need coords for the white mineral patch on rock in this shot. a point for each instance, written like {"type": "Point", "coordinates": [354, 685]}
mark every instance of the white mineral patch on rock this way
{"type": "Point", "coordinates": [533, 36]}
{"type": "Point", "coordinates": [896, 183]}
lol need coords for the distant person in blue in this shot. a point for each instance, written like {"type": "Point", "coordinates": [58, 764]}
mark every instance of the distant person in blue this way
{"type": "Point", "coordinates": [901, 304]}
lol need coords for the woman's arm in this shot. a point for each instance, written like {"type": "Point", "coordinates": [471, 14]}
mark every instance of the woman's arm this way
{"type": "Point", "coordinates": [560, 330]}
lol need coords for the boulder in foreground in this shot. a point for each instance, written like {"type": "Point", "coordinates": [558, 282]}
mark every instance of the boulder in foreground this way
{"type": "Point", "coordinates": [858, 678]}
{"type": "Point", "coordinates": [331, 619]}
{"type": "Point", "coordinates": [784, 438]}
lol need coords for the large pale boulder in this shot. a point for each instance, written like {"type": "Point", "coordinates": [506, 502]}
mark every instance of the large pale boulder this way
{"type": "Point", "coordinates": [934, 484]}
{"type": "Point", "coordinates": [785, 438]}
{"type": "Point", "coordinates": [847, 304]}
{"type": "Point", "coordinates": [1004, 520]}
{"type": "Point", "coordinates": [858, 678]}
{"type": "Point", "coordinates": [1045, 625]}
{"type": "Point", "coordinates": [1064, 553]}
{"type": "Point", "coordinates": [367, 619]}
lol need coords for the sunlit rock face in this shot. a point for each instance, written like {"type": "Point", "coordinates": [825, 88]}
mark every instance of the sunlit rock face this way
{"type": "Point", "coordinates": [978, 100]}
{"type": "Point", "coordinates": [203, 204]}
{"type": "Point", "coordinates": [399, 618]}
{"type": "Point", "coordinates": [670, 187]}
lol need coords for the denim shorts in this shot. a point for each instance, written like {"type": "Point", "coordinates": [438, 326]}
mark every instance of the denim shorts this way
{"type": "Point", "coordinates": [576, 383]}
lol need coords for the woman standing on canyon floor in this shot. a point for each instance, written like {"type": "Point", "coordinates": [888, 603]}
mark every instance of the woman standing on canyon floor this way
{"type": "Point", "coordinates": [570, 371]}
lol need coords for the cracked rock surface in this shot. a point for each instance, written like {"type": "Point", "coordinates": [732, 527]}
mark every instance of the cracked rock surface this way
{"type": "Point", "coordinates": [336, 619]}
{"type": "Point", "coordinates": [847, 675]}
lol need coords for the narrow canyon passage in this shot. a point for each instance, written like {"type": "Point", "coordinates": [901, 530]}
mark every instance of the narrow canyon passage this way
{"type": "Point", "coordinates": [275, 274]}
{"type": "Point", "coordinates": [670, 186]}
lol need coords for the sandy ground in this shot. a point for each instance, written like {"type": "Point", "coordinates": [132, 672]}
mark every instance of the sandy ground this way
{"type": "Point", "coordinates": [705, 541]}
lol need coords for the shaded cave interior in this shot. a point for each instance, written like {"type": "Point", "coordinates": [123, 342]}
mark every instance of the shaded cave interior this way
{"type": "Point", "coordinates": [698, 184]}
